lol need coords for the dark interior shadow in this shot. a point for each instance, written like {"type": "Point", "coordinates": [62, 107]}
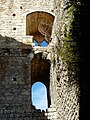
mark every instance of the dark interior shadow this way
{"type": "Point", "coordinates": [84, 65]}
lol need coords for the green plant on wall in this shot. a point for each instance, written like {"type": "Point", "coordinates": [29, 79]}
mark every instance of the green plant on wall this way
{"type": "Point", "coordinates": [68, 50]}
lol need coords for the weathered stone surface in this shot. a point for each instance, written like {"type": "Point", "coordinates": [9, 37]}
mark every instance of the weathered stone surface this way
{"type": "Point", "coordinates": [22, 63]}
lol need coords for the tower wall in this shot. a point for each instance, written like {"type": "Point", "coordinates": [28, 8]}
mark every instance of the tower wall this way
{"type": "Point", "coordinates": [16, 52]}
{"type": "Point", "coordinates": [13, 15]}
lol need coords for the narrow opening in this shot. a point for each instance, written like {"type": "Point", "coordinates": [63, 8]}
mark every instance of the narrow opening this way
{"type": "Point", "coordinates": [44, 44]}
{"type": "Point", "coordinates": [39, 96]}
{"type": "Point", "coordinates": [36, 43]}
{"type": "Point", "coordinates": [14, 79]}
{"type": "Point", "coordinates": [21, 7]}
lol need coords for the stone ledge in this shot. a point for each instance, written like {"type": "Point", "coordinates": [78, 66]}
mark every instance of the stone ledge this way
{"type": "Point", "coordinates": [25, 39]}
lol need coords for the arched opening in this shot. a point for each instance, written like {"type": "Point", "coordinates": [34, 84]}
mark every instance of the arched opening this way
{"type": "Point", "coordinates": [39, 25]}
{"type": "Point", "coordinates": [44, 44]}
{"type": "Point", "coordinates": [40, 72]}
{"type": "Point", "coordinates": [39, 96]}
{"type": "Point", "coordinates": [36, 43]}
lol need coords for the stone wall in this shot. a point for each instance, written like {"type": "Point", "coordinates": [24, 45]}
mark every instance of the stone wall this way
{"type": "Point", "coordinates": [15, 98]}
{"type": "Point", "coordinates": [13, 15]}
{"type": "Point", "coordinates": [15, 82]}
{"type": "Point", "coordinates": [16, 53]}
{"type": "Point", "coordinates": [14, 56]}
{"type": "Point", "coordinates": [65, 59]}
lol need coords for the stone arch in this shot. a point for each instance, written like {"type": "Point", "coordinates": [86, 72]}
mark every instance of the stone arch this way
{"type": "Point", "coordinates": [39, 25]}
{"type": "Point", "coordinates": [40, 72]}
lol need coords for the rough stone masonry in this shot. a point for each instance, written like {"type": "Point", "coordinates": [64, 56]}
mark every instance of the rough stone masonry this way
{"type": "Point", "coordinates": [56, 22]}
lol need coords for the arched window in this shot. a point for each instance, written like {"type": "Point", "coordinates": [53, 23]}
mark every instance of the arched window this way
{"type": "Point", "coordinates": [40, 72]}
{"type": "Point", "coordinates": [39, 96]}
{"type": "Point", "coordinates": [39, 25]}
{"type": "Point", "coordinates": [44, 44]}
{"type": "Point", "coordinates": [36, 43]}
